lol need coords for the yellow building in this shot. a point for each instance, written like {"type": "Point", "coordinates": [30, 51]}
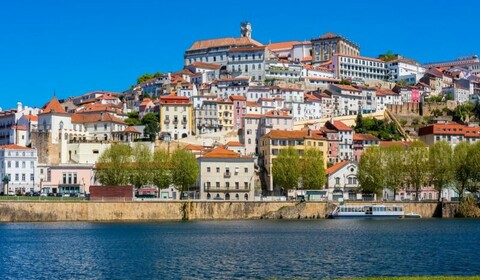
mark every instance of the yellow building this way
{"type": "Point", "coordinates": [225, 114]}
{"type": "Point", "coordinates": [272, 142]}
{"type": "Point", "coordinates": [176, 116]}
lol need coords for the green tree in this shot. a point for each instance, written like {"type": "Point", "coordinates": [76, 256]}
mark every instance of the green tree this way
{"type": "Point", "coordinates": [152, 126]}
{"type": "Point", "coordinates": [440, 166]}
{"type": "Point", "coordinates": [132, 118]}
{"type": "Point", "coordinates": [5, 181]}
{"type": "Point", "coordinates": [463, 112]}
{"type": "Point", "coordinates": [285, 169]}
{"type": "Point", "coordinates": [141, 167]}
{"type": "Point", "coordinates": [313, 169]}
{"type": "Point", "coordinates": [161, 169]}
{"type": "Point", "coordinates": [461, 166]}
{"type": "Point", "coordinates": [143, 78]}
{"type": "Point", "coordinates": [388, 56]}
{"type": "Point", "coordinates": [474, 164]}
{"type": "Point", "coordinates": [184, 170]}
{"type": "Point", "coordinates": [158, 75]}
{"type": "Point", "coordinates": [394, 167]}
{"type": "Point", "coordinates": [359, 126]}
{"type": "Point", "coordinates": [113, 165]}
{"type": "Point", "coordinates": [371, 174]}
{"type": "Point", "coordinates": [416, 166]}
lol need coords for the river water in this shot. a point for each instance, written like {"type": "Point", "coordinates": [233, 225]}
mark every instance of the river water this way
{"type": "Point", "coordinates": [259, 249]}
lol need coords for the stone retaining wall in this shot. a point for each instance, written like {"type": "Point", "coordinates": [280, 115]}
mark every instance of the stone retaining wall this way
{"type": "Point", "coordinates": [45, 211]}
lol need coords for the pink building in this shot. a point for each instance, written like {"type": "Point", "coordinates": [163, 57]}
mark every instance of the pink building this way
{"type": "Point", "coordinates": [361, 142]}
{"type": "Point", "coordinates": [71, 178]}
{"type": "Point", "coordinates": [239, 110]}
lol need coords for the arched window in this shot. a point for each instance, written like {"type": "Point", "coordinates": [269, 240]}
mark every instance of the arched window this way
{"type": "Point", "coordinates": [245, 196]}
{"type": "Point", "coordinates": [61, 125]}
{"type": "Point", "coordinates": [237, 197]}
{"type": "Point", "coordinates": [217, 197]}
{"type": "Point", "coordinates": [209, 196]}
{"type": "Point", "coordinates": [227, 196]}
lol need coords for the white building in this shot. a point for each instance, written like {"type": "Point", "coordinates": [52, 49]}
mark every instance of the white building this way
{"type": "Point", "coordinates": [226, 175]}
{"type": "Point", "coordinates": [402, 69]}
{"type": "Point", "coordinates": [358, 68]}
{"type": "Point", "coordinates": [247, 62]}
{"type": "Point", "coordinates": [19, 165]}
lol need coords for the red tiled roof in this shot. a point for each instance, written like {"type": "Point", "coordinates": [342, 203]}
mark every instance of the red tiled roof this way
{"type": "Point", "coordinates": [53, 106]}
{"type": "Point", "coordinates": [364, 137]}
{"type": "Point", "coordinates": [238, 97]}
{"type": "Point", "coordinates": [234, 144]}
{"type": "Point", "coordinates": [277, 114]}
{"type": "Point", "coordinates": [336, 167]}
{"type": "Point", "coordinates": [93, 118]}
{"type": "Point", "coordinates": [221, 152]}
{"type": "Point", "coordinates": [450, 128]}
{"type": "Point", "coordinates": [338, 125]}
{"type": "Point", "coordinates": [131, 129]}
{"type": "Point", "coordinates": [282, 45]}
{"type": "Point", "coordinates": [347, 87]}
{"type": "Point", "coordinates": [174, 99]}
{"type": "Point", "coordinates": [31, 118]}
{"type": "Point", "coordinates": [205, 65]}
{"type": "Point", "coordinates": [252, 104]}
{"type": "Point", "coordinates": [328, 35]}
{"type": "Point", "coordinates": [223, 42]}
{"type": "Point", "coordinates": [14, 147]}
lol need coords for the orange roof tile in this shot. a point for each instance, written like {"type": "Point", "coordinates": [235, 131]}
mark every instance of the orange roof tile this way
{"type": "Point", "coordinates": [238, 97]}
{"type": "Point", "coordinates": [328, 35]}
{"type": "Point", "coordinates": [223, 42]}
{"type": "Point", "coordinates": [336, 167]}
{"type": "Point", "coordinates": [364, 137]}
{"type": "Point", "coordinates": [205, 65]}
{"type": "Point", "coordinates": [97, 117]}
{"type": "Point", "coordinates": [14, 147]}
{"type": "Point", "coordinates": [282, 45]}
{"type": "Point", "coordinates": [53, 106]}
{"type": "Point", "coordinates": [31, 118]}
{"type": "Point", "coordinates": [252, 104]}
{"type": "Point", "coordinates": [192, 147]}
{"type": "Point", "coordinates": [347, 87]}
{"type": "Point", "coordinates": [337, 125]}
{"type": "Point", "coordinates": [131, 129]}
{"type": "Point", "coordinates": [234, 144]}
{"type": "Point", "coordinates": [221, 152]}
{"type": "Point", "coordinates": [277, 114]}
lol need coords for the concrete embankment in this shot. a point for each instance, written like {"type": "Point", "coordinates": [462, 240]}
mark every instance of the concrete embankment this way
{"type": "Point", "coordinates": [45, 211]}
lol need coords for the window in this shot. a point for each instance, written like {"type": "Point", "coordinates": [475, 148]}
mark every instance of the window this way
{"type": "Point", "coordinates": [237, 185]}
{"type": "Point", "coordinates": [9, 164]}
{"type": "Point", "coordinates": [75, 178]}
{"type": "Point", "coordinates": [245, 185]}
{"type": "Point", "coordinates": [227, 184]}
{"type": "Point", "coordinates": [31, 177]}
{"type": "Point", "coordinates": [16, 177]}
{"type": "Point", "coordinates": [64, 175]}
{"type": "Point", "coordinates": [23, 164]}
{"type": "Point", "coordinates": [16, 164]}
{"type": "Point", "coordinates": [23, 177]}
{"type": "Point", "coordinates": [246, 169]}
{"type": "Point", "coordinates": [218, 169]}
{"type": "Point", "coordinates": [217, 184]}
{"type": "Point", "coordinates": [95, 127]}
{"type": "Point", "coordinates": [208, 169]}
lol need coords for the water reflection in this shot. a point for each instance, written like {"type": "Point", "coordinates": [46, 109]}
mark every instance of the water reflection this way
{"type": "Point", "coordinates": [239, 249]}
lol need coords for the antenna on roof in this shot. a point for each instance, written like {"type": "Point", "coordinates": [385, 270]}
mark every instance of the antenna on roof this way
{"type": "Point", "coordinates": [54, 93]}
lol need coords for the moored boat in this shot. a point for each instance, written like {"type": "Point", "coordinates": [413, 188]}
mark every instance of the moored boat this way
{"type": "Point", "coordinates": [368, 211]}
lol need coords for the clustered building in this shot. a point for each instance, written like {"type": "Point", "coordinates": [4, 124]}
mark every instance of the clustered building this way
{"type": "Point", "coordinates": [239, 86]}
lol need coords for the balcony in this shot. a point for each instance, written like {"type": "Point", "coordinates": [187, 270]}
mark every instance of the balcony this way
{"type": "Point", "coordinates": [184, 121]}
{"type": "Point", "coordinates": [175, 122]}
{"type": "Point", "coordinates": [166, 121]}
{"type": "Point", "coordinates": [227, 175]}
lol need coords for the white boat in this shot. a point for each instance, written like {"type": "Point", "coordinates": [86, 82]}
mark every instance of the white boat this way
{"type": "Point", "coordinates": [368, 211]}
{"type": "Point", "coordinates": [412, 216]}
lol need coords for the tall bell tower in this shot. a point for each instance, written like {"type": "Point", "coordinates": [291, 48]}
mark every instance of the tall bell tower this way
{"type": "Point", "coordinates": [246, 29]}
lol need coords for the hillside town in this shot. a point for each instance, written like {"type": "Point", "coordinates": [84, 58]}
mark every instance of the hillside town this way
{"type": "Point", "coordinates": [235, 104]}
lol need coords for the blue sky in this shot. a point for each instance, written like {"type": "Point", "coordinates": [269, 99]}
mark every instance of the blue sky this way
{"type": "Point", "coordinates": [73, 47]}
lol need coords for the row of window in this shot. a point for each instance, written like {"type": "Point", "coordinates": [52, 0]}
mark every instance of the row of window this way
{"type": "Point", "coordinates": [23, 177]}
{"type": "Point", "coordinates": [17, 164]}
{"type": "Point", "coordinates": [227, 170]}
{"type": "Point", "coordinates": [235, 185]}
{"type": "Point", "coordinates": [9, 153]}
{"type": "Point", "coordinates": [69, 178]}
{"type": "Point", "coordinates": [362, 62]}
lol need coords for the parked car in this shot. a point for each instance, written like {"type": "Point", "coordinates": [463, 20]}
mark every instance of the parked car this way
{"type": "Point", "coordinates": [73, 194]}
{"type": "Point", "coordinates": [50, 194]}
{"type": "Point", "coordinates": [43, 194]}
{"type": "Point", "coordinates": [36, 194]}
{"type": "Point", "coordinates": [58, 195]}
